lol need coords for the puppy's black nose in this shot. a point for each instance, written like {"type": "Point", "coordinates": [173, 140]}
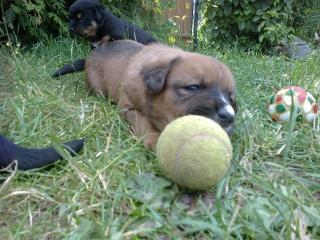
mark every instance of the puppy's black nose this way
{"type": "Point", "coordinates": [226, 114]}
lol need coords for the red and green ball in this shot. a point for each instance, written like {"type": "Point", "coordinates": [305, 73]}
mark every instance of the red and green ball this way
{"type": "Point", "coordinates": [292, 97]}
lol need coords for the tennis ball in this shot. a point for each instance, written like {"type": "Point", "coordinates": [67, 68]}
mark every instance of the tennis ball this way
{"type": "Point", "coordinates": [194, 152]}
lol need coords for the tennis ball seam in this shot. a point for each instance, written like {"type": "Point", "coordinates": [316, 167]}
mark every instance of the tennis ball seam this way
{"type": "Point", "coordinates": [195, 138]}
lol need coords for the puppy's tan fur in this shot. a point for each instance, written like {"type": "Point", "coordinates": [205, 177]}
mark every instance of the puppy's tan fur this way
{"type": "Point", "coordinates": [150, 83]}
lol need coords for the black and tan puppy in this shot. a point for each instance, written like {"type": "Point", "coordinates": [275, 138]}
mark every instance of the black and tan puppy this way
{"type": "Point", "coordinates": [156, 84]}
{"type": "Point", "coordinates": [90, 19]}
{"type": "Point", "coordinates": [30, 158]}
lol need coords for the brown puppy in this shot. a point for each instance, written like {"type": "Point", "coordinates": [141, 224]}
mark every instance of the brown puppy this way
{"type": "Point", "coordinates": [156, 84]}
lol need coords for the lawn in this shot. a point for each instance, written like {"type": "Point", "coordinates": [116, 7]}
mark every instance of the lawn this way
{"type": "Point", "coordinates": [115, 189]}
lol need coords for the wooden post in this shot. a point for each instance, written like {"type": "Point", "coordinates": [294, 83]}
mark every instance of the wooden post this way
{"type": "Point", "coordinates": [195, 23]}
{"type": "Point", "coordinates": [182, 15]}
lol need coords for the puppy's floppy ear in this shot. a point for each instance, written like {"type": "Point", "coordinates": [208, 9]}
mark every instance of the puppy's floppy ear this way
{"type": "Point", "coordinates": [154, 76]}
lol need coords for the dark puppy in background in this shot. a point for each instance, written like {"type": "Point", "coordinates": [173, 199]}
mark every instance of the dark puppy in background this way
{"type": "Point", "coordinates": [30, 158]}
{"type": "Point", "coordinates": [91, 19]}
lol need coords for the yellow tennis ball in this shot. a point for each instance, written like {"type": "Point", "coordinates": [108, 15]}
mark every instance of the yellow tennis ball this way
{"type": "Point", "coordinates": [194, 152]}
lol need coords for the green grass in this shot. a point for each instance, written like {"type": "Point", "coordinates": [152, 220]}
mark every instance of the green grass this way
{"type": "Point", "coordinates": [114, 189]}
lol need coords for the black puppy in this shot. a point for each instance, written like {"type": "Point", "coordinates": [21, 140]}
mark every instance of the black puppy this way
{"type": "Point", "coordinates": [30, 158]}
{"type": "Point", "coordinates": [91, 19]}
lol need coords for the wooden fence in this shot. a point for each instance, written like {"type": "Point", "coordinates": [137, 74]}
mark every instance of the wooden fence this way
{"type": "Point", "coordinates": [182, 16]}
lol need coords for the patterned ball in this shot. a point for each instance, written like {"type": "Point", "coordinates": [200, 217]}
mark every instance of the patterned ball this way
{"type": "Point", "coordinates": [280, 104]}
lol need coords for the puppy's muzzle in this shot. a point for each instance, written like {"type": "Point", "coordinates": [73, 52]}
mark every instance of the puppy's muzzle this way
{"type": "Point", "coordinates": [225, 116]}
{"type": "Point", "coordinates": [75, 31]}
{"type": "Point", "coordinates": [72, 28]}
{"type": "Point", "coordinates": [219, 110]}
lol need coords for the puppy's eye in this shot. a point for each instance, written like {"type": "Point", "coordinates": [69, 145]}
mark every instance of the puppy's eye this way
{"type": "Point", "coordinates": [193, 88]}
